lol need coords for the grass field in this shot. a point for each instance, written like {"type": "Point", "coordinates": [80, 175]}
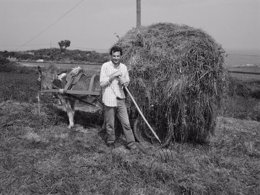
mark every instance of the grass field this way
{"type": "Point", "coordinates": [18, 87]}
{"type": "Point", "coordinates": [40, 155]}
{"type": "Point", "coordinates": [246, 73]}
{"type": "Point", "coordinates": [93, 67]}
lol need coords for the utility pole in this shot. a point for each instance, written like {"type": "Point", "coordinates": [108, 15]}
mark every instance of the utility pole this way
{"type": "Point", "coordinates": [138, 13]}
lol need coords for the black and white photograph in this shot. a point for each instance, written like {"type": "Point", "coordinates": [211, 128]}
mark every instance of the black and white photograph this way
{"type": "Point", "coordinates": [130, 97]}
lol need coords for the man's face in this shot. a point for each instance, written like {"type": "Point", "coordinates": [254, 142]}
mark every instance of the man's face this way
{"type": "Point", "coordinates": [116, 57]}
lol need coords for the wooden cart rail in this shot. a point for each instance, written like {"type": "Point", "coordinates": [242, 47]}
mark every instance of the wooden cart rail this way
{"type": "Point", "coordinates": [72, 92]}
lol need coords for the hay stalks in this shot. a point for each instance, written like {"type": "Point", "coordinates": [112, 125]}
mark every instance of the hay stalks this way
{"type": "Point", "coordinates": [177, 78]}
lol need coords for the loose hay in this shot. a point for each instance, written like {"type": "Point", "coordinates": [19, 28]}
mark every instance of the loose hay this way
{"type": "Point", "coordinates": [177, 78]}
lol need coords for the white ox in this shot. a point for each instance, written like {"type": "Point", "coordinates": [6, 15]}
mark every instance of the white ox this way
{"type": "Point", "coordinates": [75, 79]}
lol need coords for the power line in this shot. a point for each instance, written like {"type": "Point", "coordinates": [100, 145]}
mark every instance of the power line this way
{"type": "Point", "coordinates": [52, 24]}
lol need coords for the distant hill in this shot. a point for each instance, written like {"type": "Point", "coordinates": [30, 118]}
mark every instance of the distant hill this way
{"type": "Point", "coordinates": [54, 54]}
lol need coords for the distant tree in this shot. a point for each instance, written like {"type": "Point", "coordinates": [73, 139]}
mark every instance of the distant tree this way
{"type": "Point", "coordinates": [64, 44]}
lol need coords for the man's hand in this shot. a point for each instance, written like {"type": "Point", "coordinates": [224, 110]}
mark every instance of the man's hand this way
{"type": "Point", "coordinates": [62, 91]}
{"type": "Point", "coordinates": [116, 74]}
{"type": "Point", "coordinates": [123, 82]}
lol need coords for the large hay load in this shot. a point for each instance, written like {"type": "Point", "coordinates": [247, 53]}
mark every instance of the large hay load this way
{"type": "Point", "coordinates": [177, 78]}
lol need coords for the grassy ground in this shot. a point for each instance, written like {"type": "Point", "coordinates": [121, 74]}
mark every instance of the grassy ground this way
{"type": "Point", "coordinates": [40, 155]}
{"type": "Point", "coordinates": [242, 99]}
{"type": "Point", "coordinates": [19, 87]}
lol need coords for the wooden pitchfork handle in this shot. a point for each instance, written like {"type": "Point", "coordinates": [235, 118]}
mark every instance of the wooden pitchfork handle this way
{"type": "Point", "coordinates": [140, 112]}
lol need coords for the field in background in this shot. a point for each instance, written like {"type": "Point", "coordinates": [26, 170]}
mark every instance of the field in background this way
{"type": "Point", "coordinates": [246, 73]}
{"type": "Point", "coordinates": [87, 66]}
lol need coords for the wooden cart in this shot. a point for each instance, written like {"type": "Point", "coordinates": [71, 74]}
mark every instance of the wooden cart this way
{"type": "Point", "coordinates": [94, 94]}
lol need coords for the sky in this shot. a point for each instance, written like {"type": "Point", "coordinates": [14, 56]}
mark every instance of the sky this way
{"type": "Point", "coordinates": [95, 24]}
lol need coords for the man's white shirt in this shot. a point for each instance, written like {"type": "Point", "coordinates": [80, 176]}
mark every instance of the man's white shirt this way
{"type": "Point", "coordinates": [114, 89]}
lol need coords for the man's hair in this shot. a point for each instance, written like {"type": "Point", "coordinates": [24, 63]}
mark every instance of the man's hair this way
{"type": "Point", "coordinates": [115, 49]}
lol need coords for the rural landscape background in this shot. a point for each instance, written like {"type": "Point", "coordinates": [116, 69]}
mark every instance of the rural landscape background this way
{"type": "Point", "coordinates": [40, 155]}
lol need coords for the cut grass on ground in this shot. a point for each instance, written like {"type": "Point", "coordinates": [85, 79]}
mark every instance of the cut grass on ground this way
{"type": "Point", "coordinates": [19, 87]}
{"type": "Point", "coordinates": [39, 155]}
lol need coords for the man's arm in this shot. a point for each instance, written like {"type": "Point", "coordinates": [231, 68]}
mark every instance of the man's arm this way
{"type": "Point", "coordinates": [124, 79]}
{"type": "Point", "coordinates": [105, 79]}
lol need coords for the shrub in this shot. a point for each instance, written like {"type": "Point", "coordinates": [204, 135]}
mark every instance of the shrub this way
{"type": "Point", "coordinates": [3, 61]}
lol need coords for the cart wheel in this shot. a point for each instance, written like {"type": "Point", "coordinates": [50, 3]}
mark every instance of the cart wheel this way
{"type": "Point", "coordinates": [137, 131]}
{"type": "Point", "coordinates": [141, 132]}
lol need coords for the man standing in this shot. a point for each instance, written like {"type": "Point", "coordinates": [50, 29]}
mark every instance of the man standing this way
{"type": "Point", "coordinates": [113, 77]}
